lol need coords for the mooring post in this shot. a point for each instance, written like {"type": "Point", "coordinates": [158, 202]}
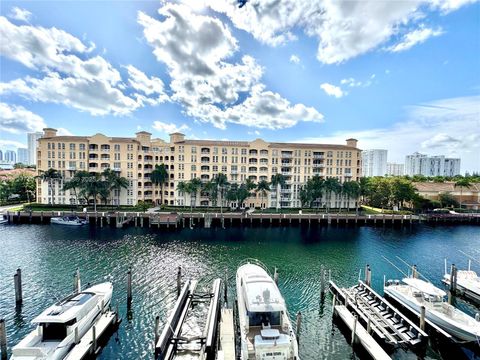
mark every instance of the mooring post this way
{"type": "Point", "coordinates": [299, 324]}
{"type": "Point", "coordinates": [452, 279]}
{"type": "Point", "coordinates": [157, 326]}
{"type": "Point", "coordinates": [3, 339]}
{"type": "Point", "coordinates": [275, 276]}
{"type": "Point", "coordinates": [76, 338]}
{"type": "Point", "coordinates": [422, 318]}
{"type": "Point", "coordinates": [414, 271]}
{"type": "Point", "coordinates": [334, 303]}
{"type": "Point", "coordinates": [94, 339]}
{"type": "Point", "coordinates": [129, 288]}
{"type": "Point", "coordinates": [179, 280]}
{"type": "Point", "coordinates": [78, 285]}
{"type": "Point", "coordinates": [354, 329]}
{"type": "Point", "coordinates": [369, 325]}
{"type": "Point", "coordinates": [322, 281]}
{"type": "Point", "coordinates": [17, 281]}
{"type": "Point", "coordinates": [225, 287]}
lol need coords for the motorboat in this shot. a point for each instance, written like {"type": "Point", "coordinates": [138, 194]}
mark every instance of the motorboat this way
{"type": "Point", "coordinates": [265, 328]}
{"type": "Point", "coordinates": [413, 293]}
{"type": "Point", "coordinates": [60, 326]}
{"type": "Point", "coordinates": [467, 282]}
{"type": "Point", "coordinates": [68, 220]}
{"type": "Point", "coordinates": [3, 220]}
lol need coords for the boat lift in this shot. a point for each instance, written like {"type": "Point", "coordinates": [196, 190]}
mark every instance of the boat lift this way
{"type": "Point", "coordinates": [171, 339]}
{"type": "Point", "coordinates": [380, 317]}
{"type": "Point", "coordinates": [469, 285]}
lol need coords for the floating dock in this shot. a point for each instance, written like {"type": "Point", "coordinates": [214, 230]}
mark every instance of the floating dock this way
{"type": "Point", "coordinates": [360, 334]}
{"type": "Point", "coordinates": [226, 349]}
{"type": "Point", "coordinates": [387, 323]}
{"type": "Point", "coordinates": [171, 338]}
{"type": "Point", "coordinates": [88, 345]}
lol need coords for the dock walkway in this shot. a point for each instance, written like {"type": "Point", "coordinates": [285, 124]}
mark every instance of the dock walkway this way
{"type": "Point", "coordinates": [370, 345]}
{"type": "Point", "coordinates": [227, 336]}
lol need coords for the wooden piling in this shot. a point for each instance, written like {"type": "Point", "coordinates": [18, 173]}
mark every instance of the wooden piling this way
{"type": "Point", "coordinates": [354, 329]}
{"type": "Point", "coordinates": [77, 284]}
{"type": "Point", "coordinates": [275, 276]}
{"type": "Point", "coordinates": [299, 324]}
{"type": "Point", "coordinates": [334, 302]}
{"type": "Point", "coordinates": [76, 338]}
{"type": "Point", "coordinates": [94, 339]}
{"type": "Point", "coordinates": [322, 281]}
{"type": "Point", "coordinates": [369, 325]}
{"type": "Point", "coordinates": [157, 326]}
{"type": "Point", "coordinates": [17, 280]}
{"type": "Point", "coordinates": [453, 284]}
{"type": "Point", "coordinates": [179, 280]}
{"type": "Point", "coordinates": [3, 339]}
{"type": "Point", "coordinates": [129, 288]}
{"type": "Point", "coordinates": [225, 287]}
{"type": "Point", "coordinates": [422, 318]}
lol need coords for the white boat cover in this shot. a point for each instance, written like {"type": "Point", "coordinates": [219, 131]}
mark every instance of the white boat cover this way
{"type": "Point", "coordinates": [424, 287]}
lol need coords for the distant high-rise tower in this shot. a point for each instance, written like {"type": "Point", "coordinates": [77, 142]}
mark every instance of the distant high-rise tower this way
{"type": "Point", "coordinates": [374, 162]}
{"type": "Point", "coordinates": [439, 165]}
{"type": "Point", "coordinates": [32, 147]}
{"type": "Point", "coordinates": [10, 156]}
{"type": "Point", "coordinates": [395, 169]}
{"type": "Point", "coordinates": [1, 155]}
{"type": "Point", "coordinates": [22, 156]}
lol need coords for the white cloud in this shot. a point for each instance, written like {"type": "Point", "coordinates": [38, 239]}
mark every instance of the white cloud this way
{"type": "Point", "coordinates": [20, 14]}
{"type": "Point", "coordinates": [332, 90]}
{"type": "Point", "coordinates": [169, 127]}
{"type": "Point", "coordinates": [71, 76]}
{"type": "Point", "coordinates": [11, 144]}
{"type": "Point", "coordinates": [294, 59]}
{"type": "Point", "coordinates": [415, 37]}
{"type": "Point", "coordinates": [344, 29]}
{"type": "Point", "coordinates": [63, 132]}
{"type": "Point", "coordinates": [424, 129]}
{"type": "Point", "coordinates": [16, 119]}
{"type": "Point", "coordinates": [197, 50]}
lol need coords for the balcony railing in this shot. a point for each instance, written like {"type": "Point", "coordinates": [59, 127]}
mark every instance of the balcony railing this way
{"type": "Point", "coordinates": [318, 156]}
{"type": "Point", "coordinates": [318, 165]}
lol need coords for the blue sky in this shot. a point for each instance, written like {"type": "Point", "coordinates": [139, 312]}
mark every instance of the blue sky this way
{"type": "Point", "coordinates": [404, 76]}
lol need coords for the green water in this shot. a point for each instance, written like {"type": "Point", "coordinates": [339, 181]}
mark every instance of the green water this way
{"type": "Point", "coordinates": [49, 255]}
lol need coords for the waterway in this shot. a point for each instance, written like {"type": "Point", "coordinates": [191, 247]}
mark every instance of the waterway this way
{"type": "Point", "coordinates": [49, 255]}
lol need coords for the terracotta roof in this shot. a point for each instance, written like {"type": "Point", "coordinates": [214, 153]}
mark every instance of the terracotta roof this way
{"type": "Point", "coordinates": [213, 142]}
{"type": "Point", "coordinates": [272, 145]}
{"type": "Point", "coordinates": [444, 187]}
{"type": "Point", "coordinates": [65, 137]}
{"type": "Point", "coordinates": [8, 173]}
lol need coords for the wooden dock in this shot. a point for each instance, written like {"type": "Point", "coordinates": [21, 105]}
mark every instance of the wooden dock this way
{"type": "Point", "coordinates": [360, 334]}
{"type": "Point", "coordinates": [88, 345]}
{"type": "Point", "coordinates": [227, 336]}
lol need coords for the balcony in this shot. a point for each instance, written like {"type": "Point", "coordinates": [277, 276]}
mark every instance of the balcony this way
{"type": "Point", "coordinates": [318, 165]}
{"type": "Point", "coordinates": [117, 169]}
{"type": "Point", "coordinates": [287, 156]}
{"type": "Point", "coordinates": [71, 168]}
{"type": "Point", "coordinates": [318, 156]}
{"type": "Point", "coordinates": [233, 171]}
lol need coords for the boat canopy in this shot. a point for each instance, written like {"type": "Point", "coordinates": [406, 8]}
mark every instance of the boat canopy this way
{"type": "Point", "coordinates": [65, 310]}
{"type": "Point", "coordinates": [260, 291]}
{"type": "Point", "coordinates": [424, 287]}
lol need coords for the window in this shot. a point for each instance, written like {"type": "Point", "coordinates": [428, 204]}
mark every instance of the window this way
{"type": "Point", "coordinates": [72, 146]}
{"type": "Point", "coordinates": [194, 150]}
{"type": "Point", "coordinates": [116, 147]}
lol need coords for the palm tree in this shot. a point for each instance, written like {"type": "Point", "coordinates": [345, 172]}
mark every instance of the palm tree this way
{"type": "Point", "coordinates": [50, 176]}
{"type": "Point", "coordinates": [76, 183]}
{"type": "Point", "coordinates": [315, 187]}
{"type": "Point", "coordinates": [278, 180]}
{"type": "Point", "coordinates": [93, 187]}
{"type": "Point", "coordinates": [182, 189]}
{"type": "Point", "coordinates": [192, 188]}
{"type": "Point", "coordinates": [221, 182]}
{"type": "Point", "coordinates": [464, 182]}
{"type": "Point", "coordinates": [331, 185]}
{"type": "Point", "coordinates": [211, 188]}
{"type": "Point", "coordinates": [159, 177]}
{"type": "Point", "coordinates": [352, 191]}
{"type": "Point", "coordinates": [262, 187]}
{"type": "Point", "coordinates": [118, 183]}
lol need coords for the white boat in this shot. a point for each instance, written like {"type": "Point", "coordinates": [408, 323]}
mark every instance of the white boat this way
{"type": "Point", "coordinates": [468, 282]}
{"type": "Point", "coordinates": [3, 220]}
{"type": "Point", "coordinates": [414, 293]}
{"type": "Point", "coordinates": [266, 330]}
{"type": "Point", "coordinates": [68, 220]}
{"type": "Point", "coordinates": [54, 335]}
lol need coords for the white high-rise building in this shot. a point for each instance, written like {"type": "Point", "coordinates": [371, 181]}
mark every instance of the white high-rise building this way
{"type": "Point", "coordinates": [32, 147]}
{"type": "Point", "coordinates": [374, 162]}
{"type": "Point", "coordinates": [439, 165]}
{"type": "Point", "coordinates": [395, 169]}
{"type": "Point", "coordinates": [22, 156]}
{"type": "Point", "coordinates": [10, 157]}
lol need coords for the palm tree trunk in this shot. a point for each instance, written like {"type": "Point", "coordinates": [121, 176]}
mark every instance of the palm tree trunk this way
{"type": "Point", "coordinates": [278, 197]}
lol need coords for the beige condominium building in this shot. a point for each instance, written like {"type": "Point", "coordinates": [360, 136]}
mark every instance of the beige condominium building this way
{"type": "Point", "coordinates": [135, 157]}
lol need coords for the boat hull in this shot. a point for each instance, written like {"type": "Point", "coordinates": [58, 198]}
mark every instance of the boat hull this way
{"type": "Point", "coordinates": [451, 327]}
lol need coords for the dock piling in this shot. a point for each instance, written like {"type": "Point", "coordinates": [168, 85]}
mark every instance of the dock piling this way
{"type": "Point", "coordinates": [17, 280]}
{"type": "Point", "coordinates": [179, 280]}
{"type": "Point", "coordinates": [94, 339]}
{"type": "Point", "coordinates": [76, 338]}
{"type": "Point", "coordinates": [275, 276]}
{"type": "Point", "coordinates": [225, 287]}
{"type": "Point", "coordinates": [129, 288]}
{"type": "Point", "coordinates": [3, 339]}
{"type": "Point", "coordinates": [299, 324]}
{"type": "Point", "coordinates": [157, 326]}
{"type": "Point", "coordinates": [334, 302]}
{"type": "Point", "coordinates": [354, 329]}
{"type": "Point", "coordinates": [453, 280]}
{"type": "Point", "coordinates": [422, 318]}
{"type": "Point", "coordinates": [369, 325]}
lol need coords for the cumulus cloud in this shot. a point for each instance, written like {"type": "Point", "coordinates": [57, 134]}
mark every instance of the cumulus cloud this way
{"type": "Point", "coordinates": [16, 119]}
{"type": "Point", "coordinates": [71, 75]}
{"type": "Point", "coordinates": [425, 129]}
{"type": "Point", "coordinates": [344, 29]}
{"type": "Point", "coordinates": [169, 127]}
{"type": "Point", "coordinates": [294, 59]}
{"type": "Point", "coordinates": [197, 50]}
{"type": "Point", "coordinates": [415, 37]}
{"type": "Point", "coordinates": [20, 14]}
{"type": "Point", "coordinates": [332, 90]}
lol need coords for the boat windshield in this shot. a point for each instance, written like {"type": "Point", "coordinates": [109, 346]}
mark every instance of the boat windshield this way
{"type": "Point", "coordinates": [54, 331]}
{"type": "Point", "coordinates": [264, 318]}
